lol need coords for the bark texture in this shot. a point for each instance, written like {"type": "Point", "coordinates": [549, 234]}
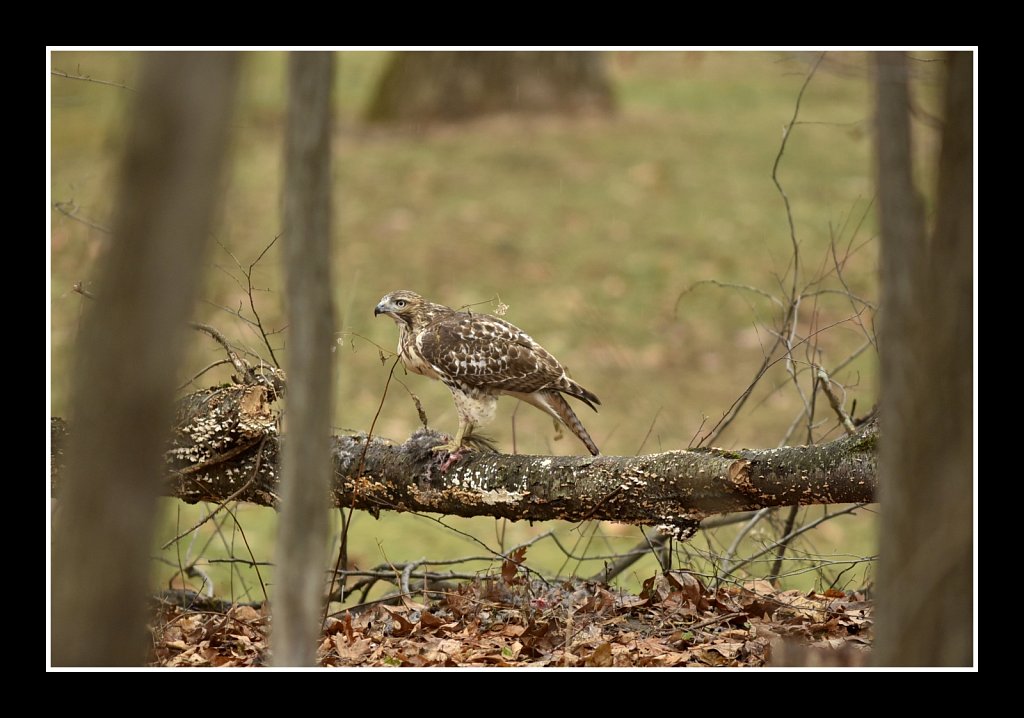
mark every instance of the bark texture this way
{"type": "Point", "coordinates": [123, 383]}
{"type": "Point", "coordinates": [302, 544]}
{"type": "Point", "coordinates": [674, 489]}
{"type": "Point", "coordinates": [925, 607]}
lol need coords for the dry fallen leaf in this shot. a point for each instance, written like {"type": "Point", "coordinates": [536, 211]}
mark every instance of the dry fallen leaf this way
{"type": "Point", "coordinates": [510, 566]}
{"type": "Point", "coordinates": [601, 657]}
{"type": "Point", "coordinates": [246, 614]}
{"type": "Point", "coordinates": [567, 623]}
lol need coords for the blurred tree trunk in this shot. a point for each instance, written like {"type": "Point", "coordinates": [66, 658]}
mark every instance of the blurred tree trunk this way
{"type": "Point", "coordinates": [925, 610]}
{"type": "Point", "coordinates": [447, 86]}
{"type": "Point", "coordinates": [302, 544]}
{"type": "Point", "coordinates": [131, 341]}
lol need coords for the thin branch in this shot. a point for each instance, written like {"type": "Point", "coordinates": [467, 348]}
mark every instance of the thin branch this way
{"type": "Point", "coordinates": [731, 413]}
{"type": "Point", "coordinates": [497, 554]}
{"type": "Point", "coordinates": [70, 210]}
{"type": "Point", "coordinates": [849, 295]}
{"type": "Point", "coordinates": [218, 532]}
{"type": "Point", "coordinates": [854, 123]}
{"type": "Point", "coordinates": [839, 275]}
{"type": "Point", "coordinates": [394, 572]}
{"type": "Point", "coordinates": [797, 532]}
{"type": "Point", "coordinates": [255, 564]}
{"type": "Point", "coordinates": [223, 504]}
{"type": "Point", "coordinates": [728, 285]}
{"type": "Point", "coordinates": [787, 531]}
{"type": "Point", "coordinates": [243, 561]}
{"type": "Point", "coordinates": [834, 401]}
{"type": "Point", "coordinates": [747, 528]}
{"type": "Point", "coordinates": [621, 563]}
{"type": "Point", "coordinates": [792, 427]}
{"type": "Point", "coordinates": [405, 579]}
{"type": "Point", "coordinates": [713, 621]}
{"type": "Point", "coordinates": [240, 366]}
{"type": "Point", "coordinates": [86, 78]}
{"type": "Point", "coordinates": [345, 523]}
{"type": "Point", "coordinates": [715, 522]}
{"type": "Point", "coordinates": [249, 292]}
{"type": "Point", "coordinates": [775, 172]}
{"type": "Point", "coordinates": [649, 430]}
{"type": "Point", "coordinates": [214, 365]}
{"type": "Point", "coordinates": [78, 288]}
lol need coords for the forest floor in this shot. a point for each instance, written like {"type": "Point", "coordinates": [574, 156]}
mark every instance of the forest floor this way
{"type": "Point", "coordinates": [509, 620]}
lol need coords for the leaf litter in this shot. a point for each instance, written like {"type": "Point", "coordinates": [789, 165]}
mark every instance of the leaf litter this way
{"type": "Point", "coordinates": [511, 620]}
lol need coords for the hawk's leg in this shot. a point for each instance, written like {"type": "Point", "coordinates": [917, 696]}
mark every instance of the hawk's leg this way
{"type": "Point", "coordinates": [453, 446]}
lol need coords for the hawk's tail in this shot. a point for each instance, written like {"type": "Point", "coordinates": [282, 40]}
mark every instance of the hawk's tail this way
{"type": "Point", "coordinates": [560, 407]}
{"type": "Point", "coordinates": [573, 389]}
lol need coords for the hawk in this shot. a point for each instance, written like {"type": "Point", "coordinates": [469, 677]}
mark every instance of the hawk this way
{"type": "Point", "coordinates": [479, 358]}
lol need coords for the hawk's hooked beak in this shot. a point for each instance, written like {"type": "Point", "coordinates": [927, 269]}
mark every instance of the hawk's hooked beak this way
{"type": "Point", "coordinates": [383, 307]}
{"type": "Point", "coordinates": [377, 310]}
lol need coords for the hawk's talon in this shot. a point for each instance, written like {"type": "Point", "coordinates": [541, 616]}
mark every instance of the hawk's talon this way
{"type": "Point", "coordinates": [453, 457]}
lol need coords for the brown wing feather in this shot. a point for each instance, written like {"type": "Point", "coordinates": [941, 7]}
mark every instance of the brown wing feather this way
{"type": "Point", "coordinates": [490, 354]}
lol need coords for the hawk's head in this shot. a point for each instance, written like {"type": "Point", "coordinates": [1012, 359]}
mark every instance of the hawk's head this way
{"type": "Point", "coordinates": [402, 306]}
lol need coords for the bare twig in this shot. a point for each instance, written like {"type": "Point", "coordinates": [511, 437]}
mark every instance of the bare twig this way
{"type": "Point", "coordinates": [714, 522]}
{"type": "Point", "coordinates": [255, 564]}
{"type": "Point", "coordinates": [405, 579]}
{"type": "Point", "coordinates": [247, 272]}
{"type": "Point", "coordinates": [834, 401]}
{"type": "Point", "coordinates": [395, 572]}
{"type": "Point", "coordinates": [240, 365]}
{"type": "Point", "coordinates": [78, 288]}
{"type": "Point", "coordinates": [70, 210]}
{"type": "Point", "coordinates": [747, 528]}
{"type": "Point", "coordinates": [849, 295]}
{"type": "Point", "coordinates": [649, 430]}
{"type": "Point", "coordinates": [621, 563]}
{"type": "Point", "coordinates": [731, 413]}
{"type": "Point", "coordinates": [775, 172]}
{"type": "Point", "coordinates": [223, 504]}
{"type": "Point", "coordinates": [346, 522]}
{"type": "Point", "coordinates": [788, 532]}
{"type": "Point", "coordinates": [214, 365]}
{"type": "Point", "coordinates": [243, 561]}
{"type": "Point", "coordinates": [712, 621]}
{"type": "Point", "coordinates": [729, 285]}
{"type": "Point", "coordinates": [86, 78]}
{"type": "Point", "coordinates": [839, 275]}
{"type": "Point", "coordinates": [797, 532]}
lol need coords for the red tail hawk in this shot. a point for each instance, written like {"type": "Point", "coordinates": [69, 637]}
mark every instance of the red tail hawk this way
{"type": "Point", "coordinates": [480, 357]}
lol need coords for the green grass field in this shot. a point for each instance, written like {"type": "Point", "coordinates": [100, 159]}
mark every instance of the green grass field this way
{"type": "Point", "coordinates": [589, 230]}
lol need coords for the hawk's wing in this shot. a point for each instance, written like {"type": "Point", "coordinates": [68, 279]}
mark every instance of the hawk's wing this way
{"type": "Point", "coordinates": [487, 353]}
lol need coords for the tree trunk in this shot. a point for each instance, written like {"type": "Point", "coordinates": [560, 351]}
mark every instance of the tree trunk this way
{"type": "Point", "coordinates": [301, 550]}
{"type": "Point", "coordinates": [449, 86]}
{"type": "Point", "coordinates": [124, 375]}
{"type": "Point", "coordinates": [237, 456]}
{"type": "Point", "coordinates": [925, 608]}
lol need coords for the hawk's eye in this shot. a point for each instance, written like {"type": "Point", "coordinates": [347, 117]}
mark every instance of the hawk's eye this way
{"type": "Point", "coordinates": [400, 303]}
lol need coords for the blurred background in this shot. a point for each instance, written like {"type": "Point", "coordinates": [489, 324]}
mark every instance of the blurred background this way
{"type": "Point", "coordinates": [614, 215]}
